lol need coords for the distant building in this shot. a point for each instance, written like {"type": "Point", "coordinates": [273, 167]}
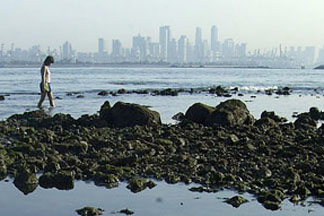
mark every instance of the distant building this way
{"type": "Point", "coordinates": [139, 48]}
{"type": "Point", "coordinates": [199, 52]}
{"type": "Point", "coordinates": [182, 49]}
{"type": "Point", "coordinates": [164, 40]}
{"type": "Point", "coordinates": [67, 52]}
{"type": "Point", "coordinates": [228, 48]}
{"type": "Point", "coordinates": [320, 59]}
{"type": "Point", "coordinates": [214, 44]}
{"type": "Point", "coordinates": [101, 46]}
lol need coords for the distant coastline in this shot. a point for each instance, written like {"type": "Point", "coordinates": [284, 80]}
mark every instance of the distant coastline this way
{"type": "Point", "coordinates": [132, 65]}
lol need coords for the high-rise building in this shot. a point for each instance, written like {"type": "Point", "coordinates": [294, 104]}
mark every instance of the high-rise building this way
{"type": "Point", "coordinates": [67, 53]}
{"type": "Point", "coordinates": [165, 38]}
{"type": "Point", "coordinates": [228, 48]}
{"type": "Point", "coordinates": [172, 51]}
{"type": "Point", "coordinates": [101, 46]}
{"type": "Point", "coordinates": [116, 48]}
{"type": "Point", "coordinates": [139, 48]}
{"type": "Point", "coordinates": [199, 52]}
{"type": "Point", "coordinates": [182, 49]}
{"type": "Point", "coordinates": [320, 59]}
{"type": "Point", "coordinates": [214, 44]}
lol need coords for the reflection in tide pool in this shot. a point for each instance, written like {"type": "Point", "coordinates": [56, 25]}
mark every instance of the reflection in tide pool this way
{"type": "Point", "coordinates": [162, 200]}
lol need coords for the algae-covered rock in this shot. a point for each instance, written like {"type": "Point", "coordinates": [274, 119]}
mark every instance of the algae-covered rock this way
{"type": "Point", "coordinates": [236, 201]}
{"type": "Point", "coordinates": [104, 110]}
{"type": "Point", "coordinates": [90, 211]}
{"type": "Point", "coordinates": [230, 113]}
{"type": "Point", "coordinates": [63, 180]}
{"type": "Point", "coordinates": [26, 182]}
{"type": "Point", "coordinates": [199, 112]}
{"type": "Point", "coordinates": [128, 115]}
{"type": "Point", "coordinates": [137, 184]}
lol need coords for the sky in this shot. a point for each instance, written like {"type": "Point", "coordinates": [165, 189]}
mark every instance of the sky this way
{"type": "Point", "coordinates": [262, 24]}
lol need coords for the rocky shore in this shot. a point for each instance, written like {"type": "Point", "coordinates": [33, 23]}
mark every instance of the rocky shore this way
{"type": "Point", "coordinates": [217, 147]}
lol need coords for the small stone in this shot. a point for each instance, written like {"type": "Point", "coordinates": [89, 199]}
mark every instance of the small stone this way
{"type": "Point", "coordinates": [126, 212]}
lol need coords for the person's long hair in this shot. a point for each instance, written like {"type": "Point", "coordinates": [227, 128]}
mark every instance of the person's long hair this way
{"type": "Point", "coordinates": [49, 60]}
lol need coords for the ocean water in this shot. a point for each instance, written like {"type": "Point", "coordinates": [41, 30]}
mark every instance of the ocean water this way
{"type": "Point", "coordinates": [21, 89]}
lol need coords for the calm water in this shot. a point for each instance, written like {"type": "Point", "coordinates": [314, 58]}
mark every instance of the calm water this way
{"type": "Point", "coordinates": [21, 88]}
{"type": "Point", "coordinates": [162, 200]}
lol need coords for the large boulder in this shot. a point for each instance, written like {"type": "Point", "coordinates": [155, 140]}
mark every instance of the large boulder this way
{"type": "Point", "coordinates": [199, 112]}
{"type": "Point", "coordinates": [128, 115]}
{"type": "Point", "coordinates": [230, 113]}
{"type": "Point", "coordinates": [26, 182]}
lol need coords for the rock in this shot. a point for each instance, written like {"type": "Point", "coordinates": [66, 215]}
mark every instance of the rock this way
{"type": "Point", "coordinates": [103, 93]}
{"type": "Point", "coordinates": [73, 145]}
{"type": "Point", "coordinates": [236, 201]}
{"type": "Point", "coordinates": [33, 118]}
{"type": "Point", "coordinates": [80, 96]}
{"type": "Point", "coordinates": [2, 98]}
{"type": "Point", "coordinates": [137, 184]}
{"type": "Point", "coordinates": [271, 205]}
{"type": "Point", "coordinates": [26, 182]}
{"type": "Point", "coordinates": [314, 113]}
{"type": "Point", "coordinates": [284, 91]}
{"type": "Point", "coordinates": [104, 110]}
{"type": "Point", "coordinates": [178, 117]}
{"type": "Point", "coordinates": [169, 92]}
{"type": "Point", "coordinates": [89, 211]}
{"type": "Point", "coordinates": [121, 91]}
{"type": "Point", "coordinates": [266, 123]}
{"type": "Point", "coordinates": [64, 120]}
{"type": "Point", "coordinates": [230, 113]}
{"type": "Point", "coordinates": [199, 112]}
{"type": "Point", "coordinates": [128, 115]}
{"type": "Point", "coordinates": [63, 180]}
{"type": "Point", "coordinates": [273, 116]}
{"type": "Point", "coordinates": [304, 121]}
{"type": "Point", "coordinates": [219, 91]}
{"type": "Point", "coordinates": [126, 211]}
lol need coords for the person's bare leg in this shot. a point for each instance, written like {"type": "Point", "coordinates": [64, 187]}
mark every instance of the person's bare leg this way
{"type": "Point", "coordinates": [51, 99]}
{"type": "Point", "coordinates": [41, 100]}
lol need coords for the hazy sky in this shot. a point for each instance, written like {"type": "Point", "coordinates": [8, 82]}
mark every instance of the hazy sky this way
{"type": "Point", "coordinates": [260, 23]}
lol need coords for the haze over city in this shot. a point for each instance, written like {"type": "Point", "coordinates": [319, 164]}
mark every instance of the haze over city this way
{"type": "Point", "coordinates": [261, 24]}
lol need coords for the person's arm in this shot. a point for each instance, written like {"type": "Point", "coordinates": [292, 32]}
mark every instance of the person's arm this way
{"type": "Point", "coordinates": [43, 76]}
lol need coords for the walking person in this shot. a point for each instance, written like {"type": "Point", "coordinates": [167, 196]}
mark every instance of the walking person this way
{"type": "Point", "coordinates": [45, 85]}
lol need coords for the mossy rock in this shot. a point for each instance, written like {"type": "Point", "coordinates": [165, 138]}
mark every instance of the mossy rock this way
{"type": "Point", "coordinates": [137, 184]}
{"type": "Point", "coordinates": [26, 182]}
{"type": "Point", "coordinates": [236, 201]}
{"type": "Point", "coordinates": [90, 211]}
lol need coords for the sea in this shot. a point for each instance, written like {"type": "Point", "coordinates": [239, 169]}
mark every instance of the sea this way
{"type": "Point", "coordinates": [76, 93]}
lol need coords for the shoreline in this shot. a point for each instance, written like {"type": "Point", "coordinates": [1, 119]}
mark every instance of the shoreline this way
{"type": "Point", "coordinates": [273, 168]}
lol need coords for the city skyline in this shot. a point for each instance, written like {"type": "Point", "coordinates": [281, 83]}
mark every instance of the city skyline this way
{"type": "Point", "coordinates": [167, 49]}
{"type": "Point", "coordinates": [261, 24]}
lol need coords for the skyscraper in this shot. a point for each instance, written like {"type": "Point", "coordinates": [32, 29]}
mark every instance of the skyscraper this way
{"type": "Point", "coordinates": [182, 49]}
{"type": "Point", "coordinates": [214, 39]}
{"type": "Point", "coordinates": [198, 46]}
{"type": "Point", "coordinates": [165, 38]}
{"type": "Point", "coordinates": [101, 45]}
{"type": "Point", "coordinates": [67, 52]}
{"type": "Point", "coordinates": [116, 48]}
